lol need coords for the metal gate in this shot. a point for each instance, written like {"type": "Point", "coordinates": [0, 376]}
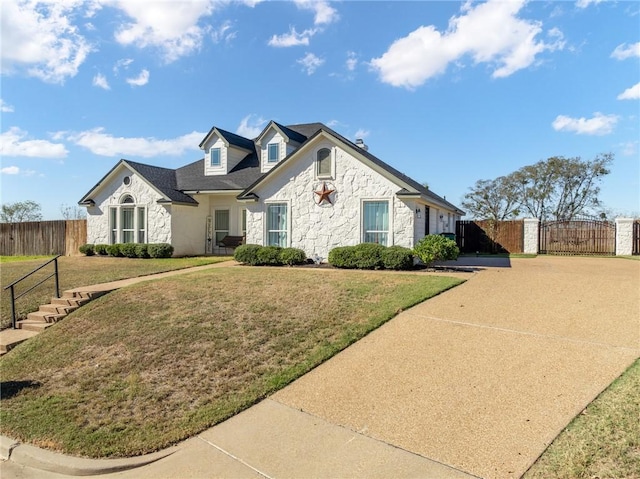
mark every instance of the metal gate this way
{"type": "Point", "coordinates": [578, 237]}
{"type": "Point", "coordinates": [636, 237]}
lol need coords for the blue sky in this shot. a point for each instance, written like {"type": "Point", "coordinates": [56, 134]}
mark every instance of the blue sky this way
{"type": "Point", "coordinates": [447, 92]}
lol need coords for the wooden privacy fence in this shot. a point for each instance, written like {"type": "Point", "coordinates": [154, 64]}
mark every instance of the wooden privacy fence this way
{"type": "Point", "coordinates": [488, 236]}
{"type": "Point", "coordinates": [42, 237]}
{"type": "Point", "coordinates": [578, 237]}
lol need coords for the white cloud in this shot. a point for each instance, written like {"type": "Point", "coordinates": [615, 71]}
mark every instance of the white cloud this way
{"type": "Point", "coordinates": [324, 12]}
{"type": "Point", "coordinates": [13, 143]}
{"type": "Point", "coordinates": [252, 3]}
{"type": "Point", "coordinates": [586, 3]}
{"type": "Point", "coordinates": [122, 63]}
{"type": "Point", "coordinates": [140, 80]}
{"type": "Point", "coordinates": [104, 144]}
{"type": "Point", "coordinates": [624, 51]}
{"type": "Point", "coordinates": [489, 32]}
{"type": "Point", "coordinates": [598, 125]}
{"type": "Point", "coordinates": [629, 148]}
{"type": "Point", "coordinates": [170, 26]}
{"type": "Point", "coordinates": [631, 93]}
{"type": "Point", "coordinates": [250, 127]}
{"type": "Point", "coordinates": [352, 61]}
{"type": "Point", "coordinates": [310, 63]}
{"type": "Point", "coordinates": [10, 170]}
{"type": "Point", "coordinates": [292, 39]}
{"type": "Point", "coordinates": [5, 108]}
{"type": "Point", "coordinates": [362, 133]}
{"type": "Point", "coordinates": [44, 43]}
{"type": "Point", "coordinates": [101, 81]}
{"type": "Point", "coordinates": [223, 33]}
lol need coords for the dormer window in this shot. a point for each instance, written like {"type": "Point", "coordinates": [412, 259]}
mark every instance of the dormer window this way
{"type": "Point", "coordinates": [323, 163]}
{"type": "Point", "coordinates": [216, 157]}
{"type": "Point", "coordinates": [273, 152]}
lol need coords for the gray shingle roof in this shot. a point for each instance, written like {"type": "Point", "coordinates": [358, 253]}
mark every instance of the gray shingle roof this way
{"type": "Point", "coordinates": [163, 179]}
{"type": "Point", "coordinates": [191, 177]}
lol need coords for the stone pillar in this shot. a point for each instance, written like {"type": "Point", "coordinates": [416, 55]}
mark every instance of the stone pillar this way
{"type": "Point", "coordinates": [624, 236]}
{"type": "Point", "coordinates": [531, 229]}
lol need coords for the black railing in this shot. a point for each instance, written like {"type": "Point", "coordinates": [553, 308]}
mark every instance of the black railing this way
{"type": "Point", "coordinates": [12, 286]}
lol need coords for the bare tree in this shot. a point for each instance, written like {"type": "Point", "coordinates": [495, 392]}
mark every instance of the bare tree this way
{"type": "Point", "coordinates": [20, 211]}
{"type": "Point", "coordinates": [72, 212]}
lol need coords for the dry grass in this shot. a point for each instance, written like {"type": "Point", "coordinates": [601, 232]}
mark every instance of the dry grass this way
{"type": "Point", "coordinates": [603, 441]}
{"type": "Point", "coordinates": [76, 271]}
{"type": "Point", "coordinates": [149, 365]}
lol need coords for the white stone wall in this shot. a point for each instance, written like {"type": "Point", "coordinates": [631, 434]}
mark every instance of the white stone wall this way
{"type": "Point", "coordinates": [624, 236]}
{"type": "Point", "coordinates": [531, 235]}
{"type": "Point", "coordinates": [317, 229]}
{"type": "Point", "coordinates": [158, 217]}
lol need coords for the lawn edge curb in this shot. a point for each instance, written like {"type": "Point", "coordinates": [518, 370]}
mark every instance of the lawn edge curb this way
{"type": "Point", "coordinates": [37, 458]}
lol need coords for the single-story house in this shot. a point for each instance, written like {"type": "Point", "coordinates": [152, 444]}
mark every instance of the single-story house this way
{"type": "Point", "coordinates": [303, 186]}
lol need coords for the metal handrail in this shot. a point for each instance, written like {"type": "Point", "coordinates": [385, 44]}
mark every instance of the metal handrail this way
{"type": "Point", "coordinates": [12, 286]}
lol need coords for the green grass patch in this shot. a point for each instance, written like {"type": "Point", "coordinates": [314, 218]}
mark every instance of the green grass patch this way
{"type": "Point", "coordinates": [76, 271]}
{"type": "Point", "coordinates": [603, 441]}
{"type": "Point", "coordinates": [147, 366]}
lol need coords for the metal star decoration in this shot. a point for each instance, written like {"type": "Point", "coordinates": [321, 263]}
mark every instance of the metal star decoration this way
{"type": "Point", "coordinates": [324, 194]}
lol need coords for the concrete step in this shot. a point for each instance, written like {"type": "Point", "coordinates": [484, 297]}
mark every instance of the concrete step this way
{"type": "Point", "coordinates": [57, 308]}
{"type": "Point", "coordinates": [33, 325]}
{"type": "Point", "coordinates": [10, 338]}
{"type": "Point", "coordinates": [77, 302]}
{"type": "Point", "coordinates": [83, 294]}
{"type": "Point", "coordinates": [45, 317]}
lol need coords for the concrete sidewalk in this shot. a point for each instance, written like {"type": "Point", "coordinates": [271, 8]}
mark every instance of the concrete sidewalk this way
{"type": "Point", "coordinates": [473, 383]}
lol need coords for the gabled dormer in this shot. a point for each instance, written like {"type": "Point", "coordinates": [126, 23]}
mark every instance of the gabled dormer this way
{"type": "Point", "coordinates": [275, 143]}
{"type": "Point", "coordinates": [223, 151]}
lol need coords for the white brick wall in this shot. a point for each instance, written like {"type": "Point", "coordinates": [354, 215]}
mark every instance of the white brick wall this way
{"type": "Point", "coordinates": [624, 236]}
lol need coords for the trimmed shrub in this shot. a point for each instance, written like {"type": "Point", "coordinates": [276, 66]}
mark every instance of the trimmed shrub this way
{"type": "Point", "coordinates": [87, 249]}
{"type": "Point", "coordinates": [142, 250]}
{"type": "Point", "coordinates": [433, 248]}
{"type": "Point", "coordinates": [114, 250]}
{"type": "Point", "coordinates": [397, 257]}
{"type": "Point", "coordinates": [247, 254]}
{"type": "Point", "coordinates": [292, 256]}
{"type": "Point", "coordinates": [160, 250]}
{"type": "Point", "coordinates": [101, 249]}
{"type": "Point", "coordinates": [128, 250]}
{"type": "Point", "coordinates": [342, 257]}
{"type": "Point", "coordinates": [368, 255]}
{"type": "Point", "coordinates": [269, 255]}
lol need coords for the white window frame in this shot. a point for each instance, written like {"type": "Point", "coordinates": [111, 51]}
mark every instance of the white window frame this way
{"type": "Point", "coordinates": [390, 210]}
{"type": "Point", "coordinates": [243, 222]}
{"type": "Point", "coordinates": [331, 174]}
{"type": "Point", "coordinates": [266, 221]}
{"type": "Point", "coordinates": [275, 145]}
{"type": "Point", "coordinates": [115, 221]}
{"type": "Point", "coordinates": [219, 152]}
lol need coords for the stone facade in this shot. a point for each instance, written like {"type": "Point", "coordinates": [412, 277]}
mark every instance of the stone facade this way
{"type": "Point", "coordinates": [318, 228]}
{"type": "Point", "coordinates": [624, 236]}
{"type": "Point", "coordinates": [531, 231]}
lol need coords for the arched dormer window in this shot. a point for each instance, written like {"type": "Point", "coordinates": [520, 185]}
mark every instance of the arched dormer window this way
{"type": "Point", "coordinates": [323, 163]}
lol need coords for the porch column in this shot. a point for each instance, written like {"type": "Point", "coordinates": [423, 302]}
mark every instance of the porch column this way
{"type": "Point", "coordinates": [531, 231]}
{"type": "Point", "coordinates": [624, 236]}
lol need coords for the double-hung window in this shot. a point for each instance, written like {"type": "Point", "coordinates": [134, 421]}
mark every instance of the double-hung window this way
{"type": "Point", "coordinates": [215, 155]}
{"type": "Point", "coordinates": [277, 224]}
{"type": "Point", "coordinates": [127, 222]}
{"type": "Point", "coordinates": [375, 222]}
{"type": "Point", "coordinates": [273, 152]}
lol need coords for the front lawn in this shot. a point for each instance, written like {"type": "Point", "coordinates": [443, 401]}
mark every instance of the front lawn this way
{"type": "Point", "coordinates": [146, 366]}
{"type": "Point", "coordinates": [76, 271]}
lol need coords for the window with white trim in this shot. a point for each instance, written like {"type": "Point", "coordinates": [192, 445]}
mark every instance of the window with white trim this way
{"type": "Point", "coordinates": [273, 152]}
{"type": "Point", "coordinates": [127, 222]}
{"type": "Point", "coordinates": [323, 163]}
{"type": "Point", "coordinates": [215, 157]}
{"type": "Point", "coordinates": [375, 222]}
{"type": "Point", "coordinates": [277, 224]}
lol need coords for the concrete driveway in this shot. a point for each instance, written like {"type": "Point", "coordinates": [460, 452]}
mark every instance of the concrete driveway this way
{"type": "Point", "coordinates": [475, 382]}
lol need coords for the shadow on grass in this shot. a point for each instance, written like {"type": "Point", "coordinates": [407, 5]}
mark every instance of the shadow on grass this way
{"type": "Point", "coordinates": [477, 263]}
{"type": "Point", "coordinates": [8, 389]}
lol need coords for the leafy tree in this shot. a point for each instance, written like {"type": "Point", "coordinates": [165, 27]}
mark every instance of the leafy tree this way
{"type": "Point", "coordinates": [495, 200]}
{"type": "Point", "coordinates": [20, 211]}
{"type": "Point", "coordinates": [72, 212]}
{"type": "Point", "coordinates": [560, 187]}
